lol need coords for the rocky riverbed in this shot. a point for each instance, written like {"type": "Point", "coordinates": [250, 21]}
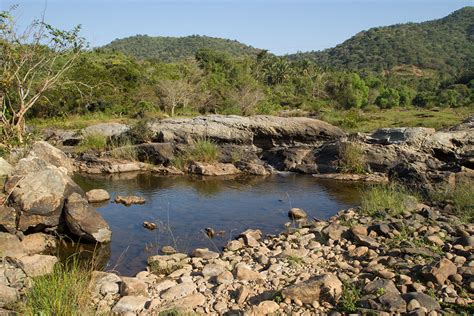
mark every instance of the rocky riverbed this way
{"type": "Point", "coordinates": [417, 262]}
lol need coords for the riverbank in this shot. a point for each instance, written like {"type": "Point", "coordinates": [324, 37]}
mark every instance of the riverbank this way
{"type": "Point", "coordinates": [405, 247]}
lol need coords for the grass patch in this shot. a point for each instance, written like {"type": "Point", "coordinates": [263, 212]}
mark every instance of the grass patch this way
{"type": "Point", "coordinates": [391, 198]}
{"type": "Point", "coordinates": [407, 238]}
{"type": "Point", "coordinates": [63, 292]}
{"type": "Point", "coordinates": [462, 198]}
{"type": "Point", "coordinates": [350, 297]}
{"type": "Point", "coordinates": [295, 260]}
{"type": "Point", "coordinates": [96, 142]}
{"type": "Point", "coordinates": [367, 121]}
{"type": "Point", "coordinates": [123, 150]}
{"type": "Point", "coordinates": [202, 151]}
{"type": "Point", "coordinates": [352, 158]}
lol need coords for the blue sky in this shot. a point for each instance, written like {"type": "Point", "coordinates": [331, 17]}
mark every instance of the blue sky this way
{"type": "Point", "coordinates": [281, 26]}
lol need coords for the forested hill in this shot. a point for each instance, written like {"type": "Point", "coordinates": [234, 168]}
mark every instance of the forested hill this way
{"type": "Point", "coordinates": [445, 45]}
{"type": "Point", "coordinates": [170, 49]}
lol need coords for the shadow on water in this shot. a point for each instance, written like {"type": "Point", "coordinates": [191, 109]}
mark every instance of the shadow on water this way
{"type": "Point", "coordinates": [182, 206]}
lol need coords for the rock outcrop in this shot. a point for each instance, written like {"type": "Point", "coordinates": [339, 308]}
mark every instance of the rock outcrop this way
{"type": "Point", "coordinates": [84, 221]}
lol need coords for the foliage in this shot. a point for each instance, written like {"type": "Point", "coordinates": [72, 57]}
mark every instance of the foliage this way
{"type": "Point", "coordinates": [461, 197]}
{"type": "Point", "coordinates": [140, 132]}
{"type": "Point", "coordinates": [63, 292]}
{"type": "Point", "coordinates": [97, 142]}
{"type": "Point", "coordinates": [350, 297]}
{"type": "Point", "coordinates": [352, 158]}
{"type": "Point", "coordinates": [444, 45]}
{"type": "Point", "coordinates": [172, 49]}
{"type": "Point", "coordinates": [391, 198]}
{"type": "Point", "coordinates": [32, 63]}
{"type": "Point", "coordinates": [123, 150]}
{"type": "Point", "coordinates": [204, 151]}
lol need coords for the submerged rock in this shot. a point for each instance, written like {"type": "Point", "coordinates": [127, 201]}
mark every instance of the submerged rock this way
{"type": "Point", "coordinates": [97, 195]}
{"type": "Point", "coordinates": [84, 221]}
{"type": "Point", "coordinates": [129, 200]}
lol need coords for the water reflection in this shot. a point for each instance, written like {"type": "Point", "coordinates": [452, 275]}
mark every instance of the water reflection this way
{"type": "Point", "coordinates": [182, 206]}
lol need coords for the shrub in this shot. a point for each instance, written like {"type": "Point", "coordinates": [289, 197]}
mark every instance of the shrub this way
{"type": "Point", "coordinates": [204, 151]}
{"type": "Point", "coordinates": [352, 158]}
{"type": "Point", "coordinates": [93, 142]}
{"type": "Point", "coordinates": [63, 292]}
{"type": "Point", "coordinates": [390, 197]}
{"type": "Point", "coordinates": [140, 132]}
{"type": "Point", "coordinates": [350, 297]}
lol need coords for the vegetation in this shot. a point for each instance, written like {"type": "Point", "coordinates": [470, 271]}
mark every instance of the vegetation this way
{"type": "Point", "coordinates": [108, 85]}
{"type": "Point", "coordinates": [443, 45]}
{"type": "Point", "coordinates": [63, 292]}
{"type": "Point", "coordinates": [97, 142]}
{"type": "Point", "coordinates": [390, 198]}
{"type": "Point", "coordinates": [172, 49]}
{"type": "Point", "coordinates": [461, 197]}
{"type": "Point", "coordinates": [352, 158]}
{"type": "Point", "coordinates": [351, 295]}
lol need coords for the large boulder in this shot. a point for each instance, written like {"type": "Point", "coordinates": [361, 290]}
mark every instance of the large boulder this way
{"type": "Point", "coordinates": [52, 155]}
{"type": "Point", "coordinates": [37, 265]}
{"type": "Point", "coordinates": [322, 288]}
{"type": "Point", "coordinates": [110, 130]}
{"type": "Point", "coordinates": [262, 131]}
{"type": "Point", "coordinates": [10, 246]}
{"type": "Point", "coordinates": [84, 221]}
{"type": "Point", "coordinates": [38, 190]}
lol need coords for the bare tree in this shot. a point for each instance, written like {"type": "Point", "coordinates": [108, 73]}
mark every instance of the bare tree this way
{"type": "Point", "coordinates": [175, 93]}
{"type": "Point", "coordinates": [32, 62]}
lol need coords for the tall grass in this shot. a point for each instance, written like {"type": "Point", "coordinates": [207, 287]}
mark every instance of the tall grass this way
{"type": "Point", "coordinates": [202, 150]}
{"type": "Point", "coordinates": [392, 198]}
{"type": "Point", "coordinates": [352, 158]}
{"type": "Point", "coordinates": [461, 197]}
{"type": "Point", "coordinates": [123, 150]}
{"type": "Point", "coordinates": [63, 292]}
{"type": "Point", "coordinates": [96, 142]}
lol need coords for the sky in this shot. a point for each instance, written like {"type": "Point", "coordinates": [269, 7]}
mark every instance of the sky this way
{"type": "Point", "coordinates": [281, 26]}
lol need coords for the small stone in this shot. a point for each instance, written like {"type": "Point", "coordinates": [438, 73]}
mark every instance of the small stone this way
{"type": "Point", "coordinates": [412, 305]}
{"type": "Point", "coordinates": [440, 271]}
{"type": "Point", "coordinates": [297, 213]}
{"type": "Point", "coordinates": [168, 250]}
{"type": "Point", "coordinates": [133, 287]}
{"type": "Point", "coordinates": [225, 277]}
{"type": "Point", "coordinates": [244, 273]}
{"type": "Point", "coordinates": [242, 295]}
{"type": "Point", "coordinates": [8, 295]}
{"type": "Point", "coordinates": [267, 307]}
{"type": "Point", "coordinates": [205, 253]}
{"type": "Point", "coordinates": [234, 245]}
{"type": "Point", "coordinates": [127, 304]}
{"type": "Point", "coordinates": [435, 240]}
{"type": "Point", "coordinates": [179, 291]}
{"type": "Point", "coordinates": [323, 288]}
{"type": "Point", "coordinates": [212, 270]}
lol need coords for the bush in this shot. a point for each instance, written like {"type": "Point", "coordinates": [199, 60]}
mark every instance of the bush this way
{"type": "Point", "coordinates": [350, 297]}
{"type": "Point", "coordinates": [392, 198]}
{"type": "Point", "coordinates": [204, 151]}
{"type": "Point", "coordinates": [140, 132]}
{"type": "Point", "coordinates": [63, 292]}
{"type": "Point", "coordinates": [96, 142]}
{"type": "Point", "coordinates": [352, 158]}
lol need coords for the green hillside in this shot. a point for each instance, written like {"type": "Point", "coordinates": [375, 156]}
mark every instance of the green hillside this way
{"type": "Point", "coordinates": [171, 49]}
{"type": "Point", "coordinates": [445, 45]}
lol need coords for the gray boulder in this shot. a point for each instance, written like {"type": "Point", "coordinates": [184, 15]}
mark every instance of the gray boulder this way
{"type": "Point", "coordinates": [262, 131]}
{"type": "Point", "coordinates": [52, 155]}
{"type": "Point", "coordinates": [413, 136]}
{"type": "Point", "coordinates": [7, 219]}
{"type": "Point", "coordinates": [110, 130]}
{"type": "Point", "coordinates": [38, 191]}
{"type": "Point", "coordinates": [84, 221]}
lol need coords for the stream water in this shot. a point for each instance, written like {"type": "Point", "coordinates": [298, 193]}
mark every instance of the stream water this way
{"type": "Point", "coordinates": [183, 206]}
